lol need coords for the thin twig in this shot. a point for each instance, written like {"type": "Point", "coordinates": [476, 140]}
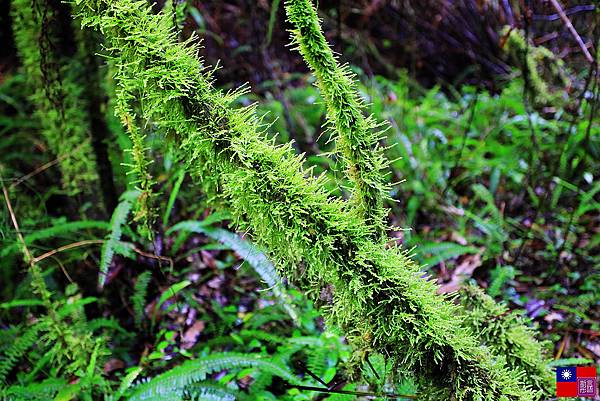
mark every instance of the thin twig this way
{"type": "Point", "coordinates": [44, 167]}
{"type": "Point", "coordinates": [30, 260]}
{"type": "Point", "coordinates": [573, 31]}
{"type": "Point", "coordinates": [77, 244]}
{"type": "Point", "coordinates": [38, 280]}
{"type": "Point", "coordinates": [350, 392]}
{"type": "Point", "coordinates": [372, 368]}
{"type": "Point", "coordinates": [153, 256]}
{"type": "Point", "coordinates": [65, 272]}
{"type": "Point", "coordinates": [311, 374]}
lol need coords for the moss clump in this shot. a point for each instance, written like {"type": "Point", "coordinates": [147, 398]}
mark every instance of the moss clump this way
{"type": "Point", "coordinates": [505, 333]}
{"type": "Point", "coordinates": [357, 137]}
{"type": "Point", "coordinates": [534, 61]}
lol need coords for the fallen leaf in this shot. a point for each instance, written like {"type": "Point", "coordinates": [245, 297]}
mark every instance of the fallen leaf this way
{"type": "Point", "coordinates": [189, 337]}
{"type": "Point", "coordinates": [459, 239]}
{"type": "Point", "coordinates": [463, 271]}
{"type": "Point", "coordinates": [553, 317]}
{"type": "Point", "coordinates": [113, 364]}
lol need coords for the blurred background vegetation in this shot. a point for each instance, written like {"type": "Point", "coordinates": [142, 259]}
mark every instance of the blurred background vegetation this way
{"type": "Point", "coordinates": [495, 140]}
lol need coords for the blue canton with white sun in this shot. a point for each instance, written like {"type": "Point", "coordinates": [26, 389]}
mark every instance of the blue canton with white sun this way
{"type": "Point", "coordinates": [566, 374]}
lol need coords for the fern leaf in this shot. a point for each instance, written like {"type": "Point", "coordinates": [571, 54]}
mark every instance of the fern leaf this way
{"type": "Point", "coordinates": [175, 380]}
{"type": "Point", "coordinates": [171, 292]}
{"type": "Point", "coordinates": [104, 323]}
{"type": "Point", "coordinates": [209, 392]}
{"type": "Point", "coordinates": [173, 196]}
{"type": "Point", "coordinates": [127, 382]}
{"type": "Point", "coordinates": [250, 253]}
{"type": "Point", "coordinates": [140, 290]}
{"type": "Point", "coordinates": [119, 218]}
{"type": "Point", "coordinates": [55, 231]}
{"type": "Point", "coordinates": [18, 349]}
{"type": "Point", "coordinates": [42, 391]}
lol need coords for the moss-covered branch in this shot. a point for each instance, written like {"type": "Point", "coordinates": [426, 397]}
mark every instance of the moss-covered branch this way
{"type": "Point", "coordinates": [505, 333]}
{"type": "Point", "coordinates": [48, 53]}
{"type": "Point", "coordinates": [380, 299]}
{"type": "Point", "coordinates": [357, 136]}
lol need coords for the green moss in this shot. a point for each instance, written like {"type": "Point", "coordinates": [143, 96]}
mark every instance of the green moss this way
{"type": "Point", "coordinates": [506, 334]}
{"type": "Point", "coordinates": [381, 301]}
{"type": "Point", "coordinates": [56, 90]}
{"type": "Point", "coordinates": [535, 60]}
{"type": "Point", "coordinates": [357, 137]}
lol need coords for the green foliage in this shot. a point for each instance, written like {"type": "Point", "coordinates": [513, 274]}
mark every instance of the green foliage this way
{"type": "Point", "coordinates": [272, 19]}
{"type": "Point", "coordinates": [472, 177]}
{"type": "Point", "coordinates": [204, 392]}
{"type": "Point", "coordinates": [211, 337]}
{"type": "Point", "coordinates": [63, 342]}
{"type": "Point", "coordinates": [17, 350]}
{"type": "Point", "coordinates": [44, 390]}
{"type": "Point", "coordinates": [138, 299]}
{"type": "Point", "coordinates": [59, 229]}
{"type": "Point", "coordinates": [170, 293]}
{"type": "Point", "coordinates": [173, 196]}
{"type": "Point", "coordinates": [175, 381]}
{"type": "Point", "coordinates": [255, 258]}
{"type": "Point", "coordinates": [499, 277]}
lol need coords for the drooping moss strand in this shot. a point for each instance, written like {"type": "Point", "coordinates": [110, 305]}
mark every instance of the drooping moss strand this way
{"type": "Point", "coordinates": [357, 136]}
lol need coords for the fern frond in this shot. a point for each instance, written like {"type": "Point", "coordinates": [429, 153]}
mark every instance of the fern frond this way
{"type": "Point", "coordinates": [317, 360]}
{"type": "Point", "coordinates": [174, 381]}
{"type": "Point", "coordinates": [104, 323]}
{"type": "Point", "coordinates": [18, 349]}
{"type": "Point", "coordinates": [138, 299]}
{"type": "Point", "coordinates": [263, 336]}
{"type": "Point", "coordinates": [126, 383]}
{"type": "Point", "coordinates": [209, 392]}
{"type": "Point", "coordinates": [251, 254]}
{"type": "Point", "coordinates": [55, 232]}
{"type": "Point", "coordinates": [42, 391]}
{"type": "Point", "coordinates": [265, 315]}
{"type": "Point", "coordinates": [261, 381]}
{"type": "Point", "coordinates": [118, 219]}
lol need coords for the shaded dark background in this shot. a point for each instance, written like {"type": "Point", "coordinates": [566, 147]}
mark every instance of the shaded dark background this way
{"type": "Point", "coordinates": [437, 41]}
{"type": "Point", "coordinates": [440, 41]}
